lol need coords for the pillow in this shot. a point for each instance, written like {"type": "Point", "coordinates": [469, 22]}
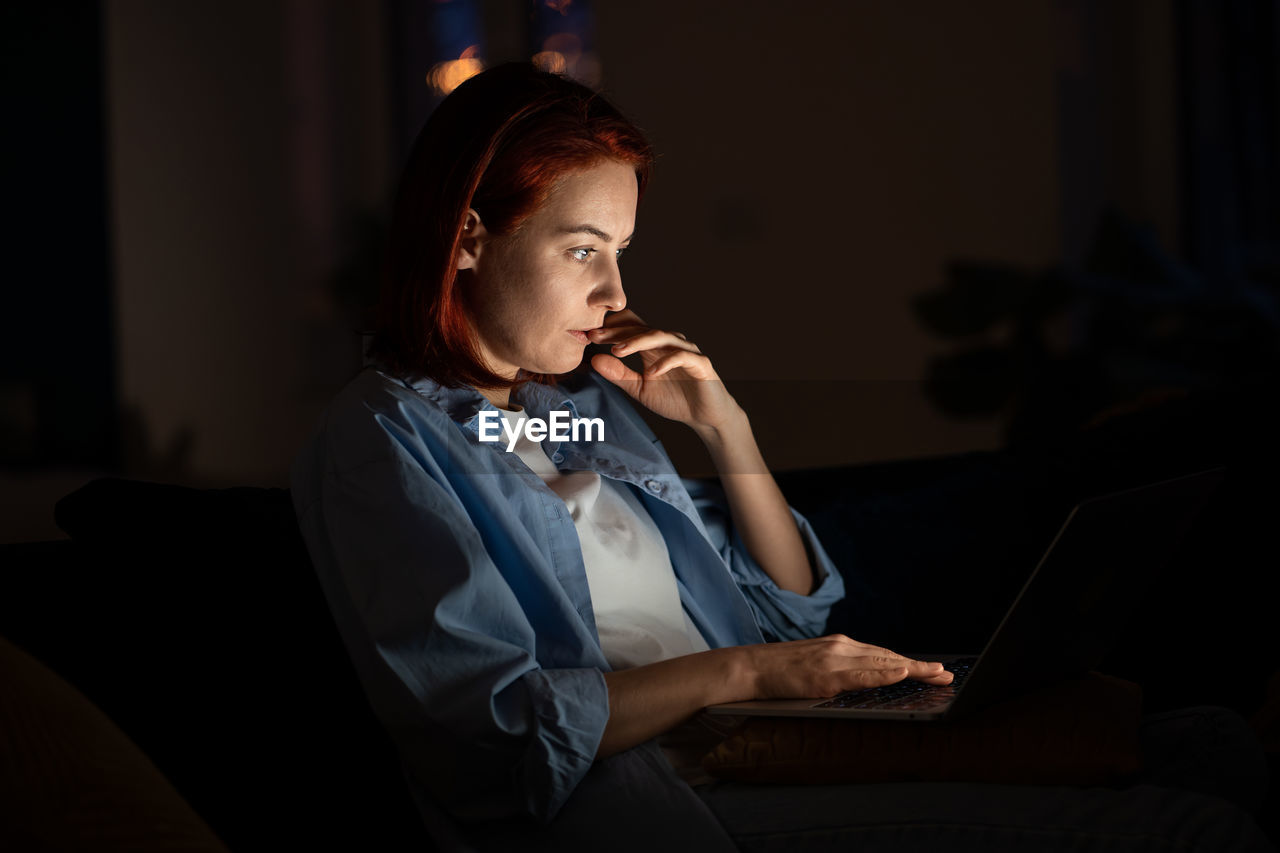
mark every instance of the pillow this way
{"type": "Point", "coordinates": [1079, 732]}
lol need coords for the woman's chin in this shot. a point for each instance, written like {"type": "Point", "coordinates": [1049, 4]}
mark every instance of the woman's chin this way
{"type": "Point", "coordinates": [555, 367]}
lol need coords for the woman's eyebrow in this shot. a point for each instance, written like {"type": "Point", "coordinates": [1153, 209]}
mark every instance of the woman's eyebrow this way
{"type": "Point", "coordinates": [592, 230]}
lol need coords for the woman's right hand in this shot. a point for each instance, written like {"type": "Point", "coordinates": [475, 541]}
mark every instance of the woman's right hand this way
{"type": "Point", "coordinates": [648, 700]}
{"type": "Point", "coordinates": [825, 666]}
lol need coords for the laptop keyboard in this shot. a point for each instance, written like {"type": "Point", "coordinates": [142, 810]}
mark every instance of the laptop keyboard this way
{"type": "Point", "coordinates": [906, 695]}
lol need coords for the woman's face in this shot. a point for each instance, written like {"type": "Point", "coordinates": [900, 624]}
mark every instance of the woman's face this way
{"type": "Point", "coordinates": [533, 293]}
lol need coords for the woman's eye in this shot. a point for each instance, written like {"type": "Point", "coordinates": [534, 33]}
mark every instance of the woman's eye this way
{"type": "Point", "coordinates": [584, 255]}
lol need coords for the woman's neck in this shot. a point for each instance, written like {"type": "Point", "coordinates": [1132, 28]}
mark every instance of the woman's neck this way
{"type": "Point", "coordinates": [500, 397]}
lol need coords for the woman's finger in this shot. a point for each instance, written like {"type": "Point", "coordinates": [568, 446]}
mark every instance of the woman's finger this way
{"type": "Point", "coordinates": [857, 648]}
{"type": "Point", "coordinates": [941, 679]}
{"type": "Point", "coordinates": [932, 671]}
{"type": "Point", "coordinates": [618, 373]}
{"type": "Point", "coordinates": [858, 679]}
{"type": "Point", "coordinates": [879, 670]}
{"type": "Point", "coordinates": [604, 334]}
{"type": "Point", "coordinates": [922, 666]}
{"type": "Point", "coordinates": [625, 317]}
{"type": "Point", "coordinates": [699, 366]}
{"type": "Point", "coordinates": [650, 339]}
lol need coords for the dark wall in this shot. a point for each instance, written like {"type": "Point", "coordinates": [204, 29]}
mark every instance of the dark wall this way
{"type": "Point", "coordinates": [57, 359]}
{"type": "Point", "coordinates": [933, 225]}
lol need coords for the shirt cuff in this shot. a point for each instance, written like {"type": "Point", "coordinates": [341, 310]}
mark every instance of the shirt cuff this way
{"type": "Point", "coordinates": [781, 613]}
{"type": "Point", "coordinates": [571, 708]}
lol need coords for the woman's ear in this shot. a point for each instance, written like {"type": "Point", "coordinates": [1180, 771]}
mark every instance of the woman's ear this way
{"type": "Point", "coordinates": [474, 236]}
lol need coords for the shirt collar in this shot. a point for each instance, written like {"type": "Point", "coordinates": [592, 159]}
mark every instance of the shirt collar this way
{"type": "Point", "coordinates": [464, 403]}
{"type": "Point", "coordinates": [539, 400]}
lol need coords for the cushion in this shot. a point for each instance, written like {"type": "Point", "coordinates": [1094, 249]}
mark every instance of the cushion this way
{"type": "Point", "coordinates": [70, 780]}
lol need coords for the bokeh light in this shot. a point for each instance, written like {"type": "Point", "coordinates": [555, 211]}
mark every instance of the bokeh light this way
{"type": "Point", "coordinates": [550, 60]}
{"type": "Point", "coordinates": [446, 76]}
{"type": "Point", "coordinates": [561, 40]}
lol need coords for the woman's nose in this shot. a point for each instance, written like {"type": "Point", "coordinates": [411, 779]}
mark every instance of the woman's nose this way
{"type": "Point", "coordinates": [610, 294]}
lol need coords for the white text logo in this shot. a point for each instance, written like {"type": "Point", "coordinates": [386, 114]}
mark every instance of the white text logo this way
{"type": "Point", "coordinates": [562, 427]}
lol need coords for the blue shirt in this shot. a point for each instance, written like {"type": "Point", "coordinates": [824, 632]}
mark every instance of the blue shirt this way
{"type": "Point", "coordinates": [456, 580]}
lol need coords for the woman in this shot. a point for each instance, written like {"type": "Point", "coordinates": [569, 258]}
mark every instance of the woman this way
{"type": "Point", "coordinates": [529, 612]}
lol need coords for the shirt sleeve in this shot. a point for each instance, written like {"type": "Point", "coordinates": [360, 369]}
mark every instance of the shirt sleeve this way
{"type": "Point", "coordinates": [780, 613]}
{"type": "Point", "coordinates": [442, 645]}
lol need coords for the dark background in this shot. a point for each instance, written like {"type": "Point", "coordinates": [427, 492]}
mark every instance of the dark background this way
{"type": "Point", "coordinates": [900, 230]}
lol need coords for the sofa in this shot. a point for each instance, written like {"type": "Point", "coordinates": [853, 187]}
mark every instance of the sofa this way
{"type": "Point", "coordinates": [188, 626]}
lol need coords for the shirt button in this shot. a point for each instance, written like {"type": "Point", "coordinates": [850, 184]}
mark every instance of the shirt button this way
{"type": "Point", "coordinates": [653, 486]}
{"type": "Point", "coordinates": [557, 457]}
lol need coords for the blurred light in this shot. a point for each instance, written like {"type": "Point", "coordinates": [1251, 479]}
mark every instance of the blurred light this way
{"type": "Point", "coordinates": [561, 39]}
{"type": "Point", "coordinates": [444, 77]}
{"type": "Point", "coordinates": [550, 60]}
{"type": "Point", "coordinates": [567, 44]}
{"type": "Point", "coordinates": [562, 54]}
{"type": "Point", "coordinates": [589, 71]}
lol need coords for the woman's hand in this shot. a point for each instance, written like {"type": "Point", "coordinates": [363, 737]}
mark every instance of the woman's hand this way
{"type": "Point", "coordinates": [678, 381]}
{"type": "Point", "coordinates": [648, 700]}
{"type": "Point", "coordinates": [825, 666]}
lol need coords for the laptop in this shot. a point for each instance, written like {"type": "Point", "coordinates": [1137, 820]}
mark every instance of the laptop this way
{"type": "Point", "coordinates": [1061, 624]}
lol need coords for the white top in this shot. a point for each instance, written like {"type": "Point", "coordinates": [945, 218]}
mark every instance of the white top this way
{"type": "Point", "coordinates": [639, 617]}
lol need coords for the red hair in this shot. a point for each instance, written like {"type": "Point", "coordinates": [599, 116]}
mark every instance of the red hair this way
{"type": "Point", "coordinates": [498, 143]}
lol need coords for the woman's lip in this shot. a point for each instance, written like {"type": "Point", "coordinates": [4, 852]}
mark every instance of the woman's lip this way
{"type": "Point", "coordinates": [581, 336]}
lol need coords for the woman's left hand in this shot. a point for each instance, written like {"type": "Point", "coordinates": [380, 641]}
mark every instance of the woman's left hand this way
{"type": "Point", "coordinates": [678, 381]}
